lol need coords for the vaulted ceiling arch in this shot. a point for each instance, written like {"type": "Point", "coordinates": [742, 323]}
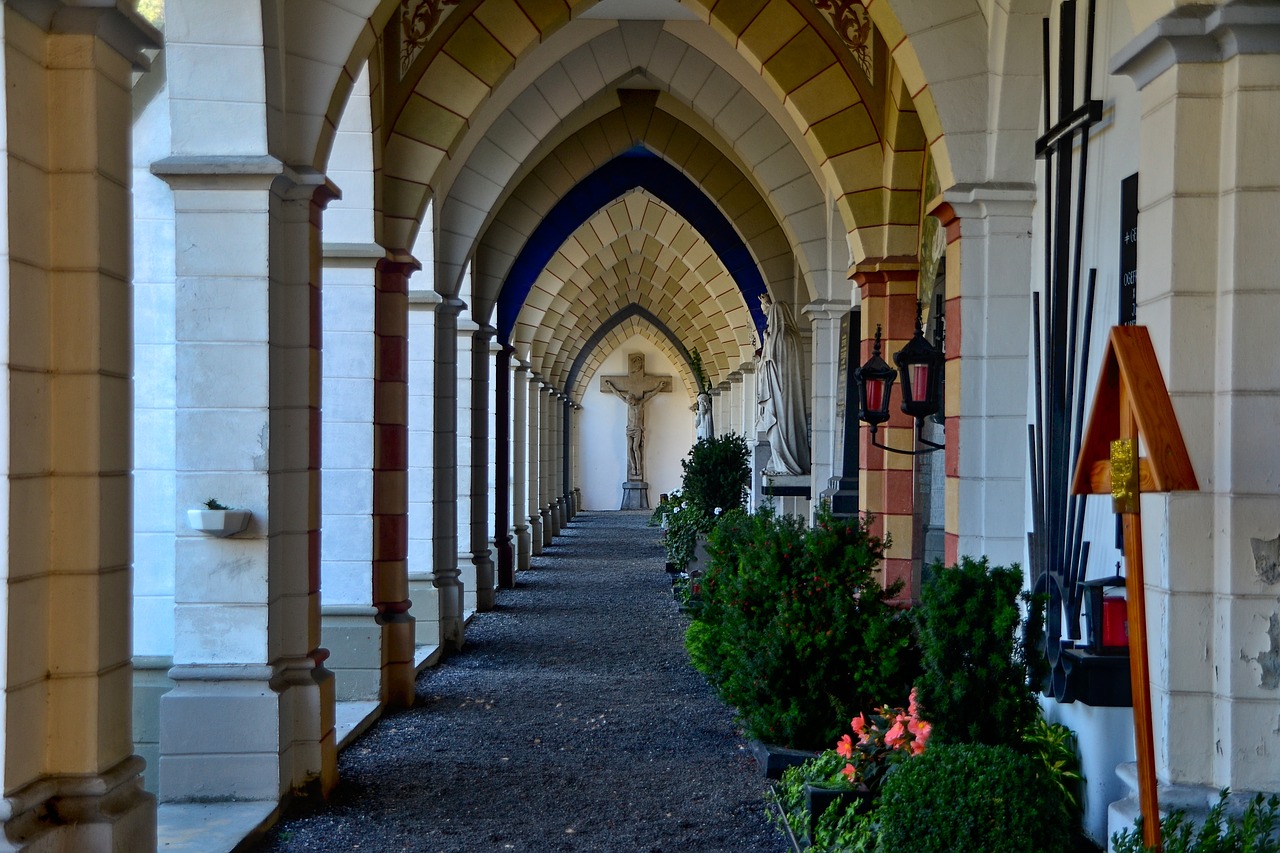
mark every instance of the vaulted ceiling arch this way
{"type": "Point", "coordinates": [615, 338]}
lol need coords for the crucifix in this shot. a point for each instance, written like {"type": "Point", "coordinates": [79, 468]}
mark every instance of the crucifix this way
{"type": "Point", "coordinates": [635, 389]}
{"type": "Point", "coordinates": [1132, 403]}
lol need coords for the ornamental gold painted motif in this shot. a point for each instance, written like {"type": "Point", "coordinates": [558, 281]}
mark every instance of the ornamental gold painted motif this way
{"type": "Point", "coordinates": [418, 21]}
{"type": "Point", "coordinates": [853, 22]}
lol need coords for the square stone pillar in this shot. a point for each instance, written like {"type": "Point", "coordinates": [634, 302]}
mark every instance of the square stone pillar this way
{"type": "Point", "coordinates": [546, 464]}
{"type": "Point", "coordinates": [465, 462]}
{"type": "Point", "coordinates": [520, 463]}
{"type": "Point", "coordinates": [825, 316]}
{"type": "Point", "coordinates": [478, 535]}
{"type": "Point", "coordinates": [445, 483]}
{"type": "Point", "coordinates": [534, 444]}
{"type": "Point", "coordinates": [505, 509]}
{"type": "Point", "coordinates": [247, 615]}
{"type": "Point", "coordinates": [421, 570]}
{"type": "Point", "coordinates": [71, 780]}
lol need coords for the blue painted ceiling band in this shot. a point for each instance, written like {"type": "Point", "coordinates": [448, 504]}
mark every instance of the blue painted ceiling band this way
{"type": "Point", "coordinates": [637, 168]}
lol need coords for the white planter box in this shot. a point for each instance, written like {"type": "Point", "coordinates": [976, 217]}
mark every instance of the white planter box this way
{"type": "Point", "coordinates": [218, 522]}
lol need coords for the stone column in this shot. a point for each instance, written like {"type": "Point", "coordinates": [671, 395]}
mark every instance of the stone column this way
{"type": "Point", "coordinates": [504, 498]}
{"type": "Point", "coordinates": [445, 515]}
{"type": "Point", "coordinates": [889, 302]}
{"type": "Point", "coordinates": [247, 614]}
{"type": "Point", "coordinates": [566, 450]}
{"type": "Point", "coordinates": [71, 779]}
{"type": "Point", "coordinates": [555, 411]}
{"type": "Point", "coordinates": [481, 557]}
{"type": "Point", "coordinates": [391, 479]}
{"type": "Point", "coordinates": [733, 413]}
{"type": "Point", "coordinates": [547, 464]}
{"type": "Point", "coordinates": [422, 589]}
{"type": "Point", "coordinates": [534, 444]}
{"type": "Point", "coordinates": [465, 455]}
{"type": "Point", "coordinates": [520, 450]}
{"type": "Point", "coordinates": [749, 412]}
{"type": "Point", "coordinates": [558, 485]}
{"type": "Point", "coordinates": [986, 377]}
{"type": "Point", "coordinates": [1207, 291]}
{"type": "Point", "coordinates": [825, 315]}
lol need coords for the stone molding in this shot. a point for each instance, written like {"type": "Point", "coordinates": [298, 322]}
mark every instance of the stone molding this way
{"type": "Point", "coordinates": [1200, 33]}
{"type": "Point", "coordinates": [81, 800]}
{"type": "Point", "coordinates": [825, 309]}
{"type": "Point", "coordinates": [119, 26]}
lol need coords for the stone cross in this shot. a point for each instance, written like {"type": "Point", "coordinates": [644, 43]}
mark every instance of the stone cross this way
{"type": "Point", "coordinates": [635, 389]}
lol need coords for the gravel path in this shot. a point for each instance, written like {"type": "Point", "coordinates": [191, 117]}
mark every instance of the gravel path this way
{"type": "Point", "coordinates": [571, 721]}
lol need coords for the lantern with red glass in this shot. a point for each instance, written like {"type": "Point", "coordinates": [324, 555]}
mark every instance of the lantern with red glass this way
{"type": "Point", "coordinates": [920, 364]}
{"type": "Point", "coordinates": [875, 382]}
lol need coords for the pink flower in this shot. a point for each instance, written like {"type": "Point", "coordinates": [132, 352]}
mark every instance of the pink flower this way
{"type": "Point", "coordinates": [921, 730]}
{"type": "Point", "coordinates": [913, 706]}
{"type": "Point", "coordinates": [896, 735]}
{"type": "Point", "coordinates": [845, 747]}
{"type": "Point", "coordinates": [849, 771]}
{"type": "Point", "coordinates": [859, 724]}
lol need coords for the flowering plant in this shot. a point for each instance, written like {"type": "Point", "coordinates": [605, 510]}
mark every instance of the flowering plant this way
{"type": "Point", "coordinates": [884, 737]}
{"type": "Point", "coordinates": [682, 522]}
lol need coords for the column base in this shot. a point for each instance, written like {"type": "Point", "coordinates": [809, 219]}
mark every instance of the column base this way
{"type": "Point", "coordinates": [548, 526]}
{"type": "Point", "coordinates": [535, 532]}
{"type": "Point", "coordinates": [842, 494]}
{"type": "Point", "coordinates": [524, 548]}
{"type": "Point", "coordinates": [486, 594]}
{"type": "Point", "coordinates": [150, 682]}
{"type": "Point", "coordinates": [557, 517]}
{"type": "Point", "coordinates": [1195, 800]}
{"type": "Point", "coordinates": [425, 610]}
{"type": "Point", "coordinates": [467, 578]}
{"type": "Point", "coordinates": [452, 625]}
{"type": "Point", "coordinates": [282, 740]}
{"type": "Point", "coordinates": [105, 811]}
{"type": "Point", "coordinates": [399, 674]}
{"type": "Point", "coordinates": [635, 495]}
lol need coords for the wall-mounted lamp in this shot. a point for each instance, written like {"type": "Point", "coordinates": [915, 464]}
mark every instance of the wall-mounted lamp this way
{"type": "Point", "coordinates": [920, 365]}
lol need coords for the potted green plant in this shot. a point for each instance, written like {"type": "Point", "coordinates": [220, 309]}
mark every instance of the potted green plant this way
{"type": "Point", "coordinates": [215, 519]}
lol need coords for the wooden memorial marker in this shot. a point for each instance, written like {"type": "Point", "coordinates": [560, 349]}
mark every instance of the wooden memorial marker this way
{"type": "Point", "coordinates": [1132, 403]}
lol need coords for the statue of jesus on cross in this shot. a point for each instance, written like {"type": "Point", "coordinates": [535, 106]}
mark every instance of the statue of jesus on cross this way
{"type": "Point", "coordinates": [635, 389]}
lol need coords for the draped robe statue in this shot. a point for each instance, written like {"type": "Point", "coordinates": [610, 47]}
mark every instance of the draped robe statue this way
{"type": "Point", "coordinates": [780, 393]}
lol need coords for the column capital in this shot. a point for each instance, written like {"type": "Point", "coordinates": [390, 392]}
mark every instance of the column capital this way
{"type": "Point", "coordinates": [487, 333]}
{"type": "Point", "coordinates": [521, 367]}
{"type": "Point", "coordinates": [1199, 33]}
{"type": "Point", "coordinates": [747, 367]}
{"type": "Point", "coordinates": [246, 172]}
{"type": "Point", "coordinates": [120, 26]}
{"type": "Point", "coordinates": [735, 376]}
{"type": "Point", "coordinates": [980, 201]}
{"type": "Point", "coordinates": [467, 327]}
{"type": "Point", "coordinates": [427, 300]}
{"type": "Point", "coordinates": [449, 305]}
{"type": "Point", "coordinates": [825, 309]}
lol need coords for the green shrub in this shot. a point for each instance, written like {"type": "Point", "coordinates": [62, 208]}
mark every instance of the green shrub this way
{"type": "Point", "coordinates": [971, 797]}
{"type": "Point", "coordinates": [975, 683]}
{"type": "Point", "coordinates": [716, 475]}
{"type": "Point", "coordinates": [799, 634]}
{"type": "Point", "coordinates": [1255, 831]}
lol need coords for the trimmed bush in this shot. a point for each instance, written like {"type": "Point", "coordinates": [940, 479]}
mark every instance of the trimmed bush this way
{"type": "Point", "coordinates": [971, 797]}
{"type": "Point", "coordinates": [716, 474]}
{"type": "Point", "coordinates": [795, 631]}
{"type": "Point", "coordinates": [975, 684]}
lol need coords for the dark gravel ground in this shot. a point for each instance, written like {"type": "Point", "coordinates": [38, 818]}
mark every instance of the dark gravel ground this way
{"type": "Point", "coordinates": [571, 721]}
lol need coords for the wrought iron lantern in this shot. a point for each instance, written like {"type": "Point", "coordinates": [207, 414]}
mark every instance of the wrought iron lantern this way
{"type": "Point", "coordinates": [920, 365]}
{"type": "Point", "coordinates": [875, 384]}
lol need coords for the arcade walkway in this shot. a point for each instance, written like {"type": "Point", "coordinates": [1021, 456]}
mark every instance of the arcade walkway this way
{"type": "Point", "coordinates": [572, 721]}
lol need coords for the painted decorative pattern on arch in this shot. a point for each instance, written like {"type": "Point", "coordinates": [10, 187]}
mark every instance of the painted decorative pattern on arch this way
{"type": "Point", "coordinates": [418, 22]}
{"type": "Point", "coordinates": [852, 21]}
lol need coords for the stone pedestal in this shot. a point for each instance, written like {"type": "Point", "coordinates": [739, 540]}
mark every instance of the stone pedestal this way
{"type": "Point", "coordinates": [635, 495]}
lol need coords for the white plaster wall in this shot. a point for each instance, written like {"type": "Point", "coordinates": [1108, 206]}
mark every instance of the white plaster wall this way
{"type": "Point", "coordinates": [154, 390]}
{"type": "Point", "coordinates": [602, 436]}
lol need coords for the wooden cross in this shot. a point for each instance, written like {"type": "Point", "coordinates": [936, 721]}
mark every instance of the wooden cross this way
{"type": "Point", "coordinates": [1132, 403]}
{"type": "Point", "coordinates": [635, 389]}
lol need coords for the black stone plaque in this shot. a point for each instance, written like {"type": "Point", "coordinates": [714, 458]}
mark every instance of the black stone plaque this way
{"type": "Point", "coordinates": [1129, 250]}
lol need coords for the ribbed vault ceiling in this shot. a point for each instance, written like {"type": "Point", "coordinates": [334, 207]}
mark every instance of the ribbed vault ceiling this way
{"type": "Point", "coordinates": [771, 120]}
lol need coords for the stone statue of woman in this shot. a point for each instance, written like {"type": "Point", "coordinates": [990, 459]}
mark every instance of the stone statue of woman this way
{"type": "Point", "coordinates": [781, 392]}
{"type": "Point", "coordinates": [702, 425]}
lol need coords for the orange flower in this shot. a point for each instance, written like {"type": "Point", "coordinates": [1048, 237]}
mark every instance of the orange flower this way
{"type": "Point", "coordinates": [896, 735]}
{"type": "Point", "coordinates": [913, 706]}
{"type": "Point", "coordinates": [845, 747]}
{"type": "Point", "coordinates": [859, 724]}
{"type": "Point", "coordinates": [849, 771]}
